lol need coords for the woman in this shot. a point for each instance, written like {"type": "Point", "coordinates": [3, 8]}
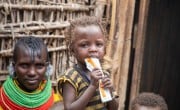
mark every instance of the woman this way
{"type": "Point", "coordinates": [28, 86]}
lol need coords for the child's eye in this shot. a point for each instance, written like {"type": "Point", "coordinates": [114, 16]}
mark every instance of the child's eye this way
{"type": "Point", "coordinates": [84, 45]}
{"type": "Point", "coordinates": [100, 44]}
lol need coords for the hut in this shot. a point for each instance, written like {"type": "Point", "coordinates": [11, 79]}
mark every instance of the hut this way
{"type": "Point", "coordinates": [145, 34]}
{"type": "Point", "coordinates": [40, 18]}
{"type": "Point", "coordinates": [143, 40]}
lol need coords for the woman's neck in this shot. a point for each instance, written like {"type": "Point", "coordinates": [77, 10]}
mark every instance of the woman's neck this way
{"type": "Point", "coordinates": [20, 86]}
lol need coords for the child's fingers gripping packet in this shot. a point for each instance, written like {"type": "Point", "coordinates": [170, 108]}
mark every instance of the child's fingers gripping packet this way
{"type": "Point", "coordinates": [92, 63]}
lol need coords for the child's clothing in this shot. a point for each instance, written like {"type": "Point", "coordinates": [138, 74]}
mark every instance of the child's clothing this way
{"type": "Point", "coordinates": [76, 77]}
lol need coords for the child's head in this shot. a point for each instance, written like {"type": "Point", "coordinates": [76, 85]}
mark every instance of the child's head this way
{"type": "Point", "coordinates": [149, 101]}
{"type": "Point", "coordinates": [30, 57]}
{"type": "Point", "coordinates": [87, 38]}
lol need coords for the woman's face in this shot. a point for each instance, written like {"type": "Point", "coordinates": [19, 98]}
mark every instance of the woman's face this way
{"type": "Point", "coordinates": [89, 41]}
{"type": "Point", "coordinates": [30, 72]}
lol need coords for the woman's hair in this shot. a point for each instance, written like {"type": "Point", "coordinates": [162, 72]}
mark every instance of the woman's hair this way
{"type": "Point", "coordinates": [149, 100]}
{"type": "Point", "coordinates": [33, 45]}
{"type": "Point", "coordinates": [83, 22]}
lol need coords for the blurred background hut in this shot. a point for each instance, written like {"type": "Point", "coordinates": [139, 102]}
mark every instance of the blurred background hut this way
{"type": "Point", "coordinates": [143, 52]}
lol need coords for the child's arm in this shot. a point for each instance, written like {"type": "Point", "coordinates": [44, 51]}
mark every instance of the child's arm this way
{"type": "Point", "coordinates": [113, 104]}
{"type": "Point", "coordinates": [69, 93]}
{"type": "Point", "coordinates": [70, 102]}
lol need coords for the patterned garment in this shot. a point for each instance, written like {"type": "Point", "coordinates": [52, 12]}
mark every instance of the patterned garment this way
{"type": "Point", "coordinates": [14, 98]}
{"type": "Point", "coordinates": [75, 77]}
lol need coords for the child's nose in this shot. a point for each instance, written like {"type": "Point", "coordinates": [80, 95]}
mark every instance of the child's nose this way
{"type": "Point", "coordinates": [93, 48]}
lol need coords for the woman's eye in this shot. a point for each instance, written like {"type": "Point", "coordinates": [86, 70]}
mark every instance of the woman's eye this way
{"type": "Point", "coordinates": [39, 66]}
{"type": "Point", "coordinates": [25, 66]}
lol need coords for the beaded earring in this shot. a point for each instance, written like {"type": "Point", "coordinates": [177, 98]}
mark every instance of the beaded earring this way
{"type": "Point", "coordinates": [11, 70]}
{"type": "Point", "coordinates": [49, 70]}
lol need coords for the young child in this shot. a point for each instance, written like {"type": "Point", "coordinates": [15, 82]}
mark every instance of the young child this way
{"type": "Point", "coordinates": [149, 101]}
{"type": "Point", "coordinates": [79, 86]}
{"type": "Point", "coordinates": [28, 86]}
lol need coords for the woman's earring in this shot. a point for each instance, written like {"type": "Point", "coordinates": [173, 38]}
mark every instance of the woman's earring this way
{"type": "Point", "coordinates": [11, 70]}
{"type": "Point", "coordinates": [49, 70]}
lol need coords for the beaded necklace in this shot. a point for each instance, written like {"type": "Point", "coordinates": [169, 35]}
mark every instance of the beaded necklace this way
{"type": "Point", "coordinates": [22, 98]}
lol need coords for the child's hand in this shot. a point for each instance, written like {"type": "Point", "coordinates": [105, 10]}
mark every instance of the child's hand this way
{"type": "Point", "coordinates": [107, 83]}
{"type": "Point", "coordinates": [96, 75]}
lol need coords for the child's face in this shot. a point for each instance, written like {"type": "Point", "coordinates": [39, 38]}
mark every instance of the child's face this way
{"type": "Point", "coordinates": [140, 107]}
{"type": "Point", "coordinates": [30, 72]}
{"type": "Point", "coordinates": [89, 41]}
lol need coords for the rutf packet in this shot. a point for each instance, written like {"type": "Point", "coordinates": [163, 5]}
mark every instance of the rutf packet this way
{"type": "Point", "coordinates": [105, 93]}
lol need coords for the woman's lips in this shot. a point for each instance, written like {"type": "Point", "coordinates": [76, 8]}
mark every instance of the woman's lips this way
{"type": "Point", "coordinates": [30, 81]}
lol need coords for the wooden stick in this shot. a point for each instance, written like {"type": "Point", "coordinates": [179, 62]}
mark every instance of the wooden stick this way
{"type": "Point", "coordinates": [69, 7]}
{"type": "Point", "coordinates": [50, 2]}
{"type": "Point", "coordinates": [5, 51]}
{"type": "Point", "coordinates": [108, 11]}
{"type": "Point", "coordinates": [3, 72]}
{"type": "Point", "coordinates": [139, 50]}
{"type": "Point", "coordinates": [9, 51]}
{"type": "Point", "coordinates": [121, 58]}
{"type": "Point", "coordinates": [3, 78]}
{"type": "Point", "coordinates": [36, 28]}
{"type": "Point", "coordinates": [112, 29]}
{"type": "Point", "coordinates": [40, 36]}
{"type": "Point", "coordinates": [29, 23]}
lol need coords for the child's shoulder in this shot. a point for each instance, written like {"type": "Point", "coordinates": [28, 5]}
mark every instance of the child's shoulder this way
{"type": "Point", "coordinates": [70, 71]}
{"type": "Point", "coordinates": [70, 76]}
